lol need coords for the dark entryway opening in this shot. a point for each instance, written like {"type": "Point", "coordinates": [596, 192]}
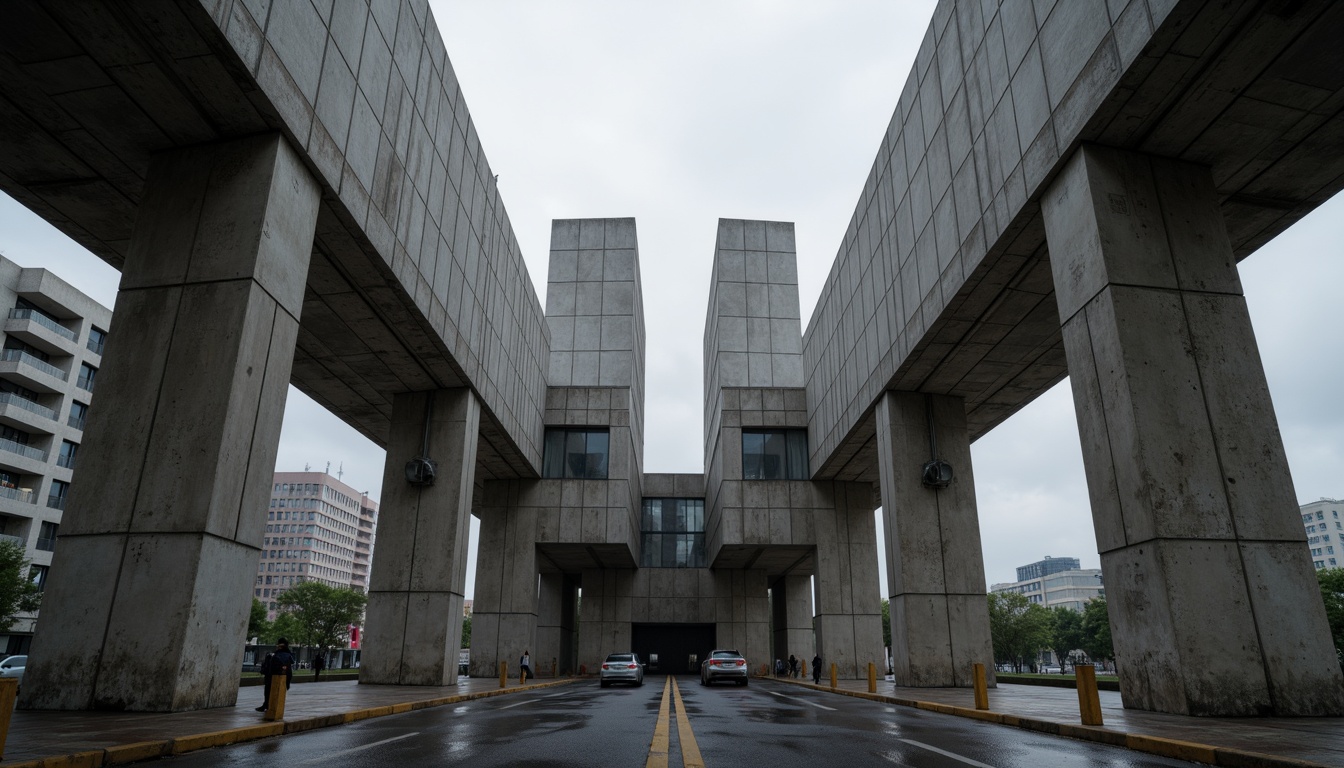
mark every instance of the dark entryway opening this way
{"type": "Point", "coordinates": [672, 649]}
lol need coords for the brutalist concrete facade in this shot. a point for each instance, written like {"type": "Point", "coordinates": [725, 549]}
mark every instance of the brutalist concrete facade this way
{"type": "Point", "coordinates": [298, 188]}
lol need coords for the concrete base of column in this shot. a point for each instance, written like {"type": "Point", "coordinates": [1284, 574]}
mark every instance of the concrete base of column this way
{"type": "Point", "coordinates": [792, 611]}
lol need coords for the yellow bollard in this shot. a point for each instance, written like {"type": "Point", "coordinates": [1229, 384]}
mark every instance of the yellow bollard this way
{"type": "Point", "coordinates": [522, 677]}
{"type": "Point", "coordinates": [833, 677]}
{"type": "Point", "coordinates": [804, 677]}
{"type": "Point", "coordinates": [503, 674]}
{"type": "Point", "coordinates": [1089, 701]}
{"type": "Point", "coordinates": [981, 688]}
{"type": "Point", "coordinates": [872, 677]}
{"type": "Point", "coordinates": [9, 691]}
{"type": "Point", "coordinates": [275, 708]}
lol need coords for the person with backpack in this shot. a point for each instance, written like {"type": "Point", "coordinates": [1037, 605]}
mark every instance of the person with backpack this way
{"type": "Point", "coordinates": [280, 662]}
{"type": "Point", "coordinates": [319, 664]}
{"type": "Point", "coordinates": [525, 663]}
{"type": "Point", "coordinates": [816, 669]}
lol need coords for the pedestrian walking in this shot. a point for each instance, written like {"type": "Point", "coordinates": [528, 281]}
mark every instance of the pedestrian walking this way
{"type": "Point", "coordinates": [793, 665]}
{"type": "Point", "coordinates": [281, 662]}
{"type": "Point", "coordinates": [319, 664]}
{"type": "Point", "coordinates": [525, 663]}
{"type": "Point", "coordinates": [816, 669]}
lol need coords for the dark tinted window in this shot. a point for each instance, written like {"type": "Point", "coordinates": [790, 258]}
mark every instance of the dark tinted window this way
{"type": "Point", "coordinates": [576, 454]}
{"type": "Point", "coordinates": [774, 454]}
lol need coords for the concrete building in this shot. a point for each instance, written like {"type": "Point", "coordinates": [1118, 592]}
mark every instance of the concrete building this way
{"type": "Point", "coordinates": [52, 340]}
{"type": "Point", "coordinates": [296, 193]}
{"type": "Point", "coordinates": [1325, 532]}
{"type": "Point", "coordinates": [1056, 581]}
{"type": "Point", "coordinates": [317, 529]}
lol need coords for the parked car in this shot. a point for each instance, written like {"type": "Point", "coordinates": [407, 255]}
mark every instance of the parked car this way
{"type": "Point", "coordinates": [621, 668]}
{"type": "Point", "coordinates": [13, 667]}
{"type": "Point", "coordinates": [723, 665]}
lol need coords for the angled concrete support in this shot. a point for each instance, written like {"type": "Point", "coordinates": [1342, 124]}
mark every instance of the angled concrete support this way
{"type": "Point", "coordinates": [935, 569]}
{"type": "Point", "coordinates": [848, 595]}
{"type": "Point", "coordinates": [1214, 608]}
{"type": "Point", "coordinates": [414, 616]}
{"type": "Point", "coordinates": [148, 599]}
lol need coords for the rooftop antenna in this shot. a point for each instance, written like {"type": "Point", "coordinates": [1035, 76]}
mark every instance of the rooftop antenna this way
{"type": "Point", "coordinates": [340, 471]}
{"type": "Point", "coordinates": [328, 467]}
{"type": "Point", "coordinates": [306, 466]}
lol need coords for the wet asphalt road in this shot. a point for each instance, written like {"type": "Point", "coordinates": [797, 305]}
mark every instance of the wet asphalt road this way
{"type": "Point", "coordinates": [764, 724]}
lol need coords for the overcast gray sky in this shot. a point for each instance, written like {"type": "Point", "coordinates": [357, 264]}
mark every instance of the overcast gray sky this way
{"type": "Point", "coordinates": [681, 113]}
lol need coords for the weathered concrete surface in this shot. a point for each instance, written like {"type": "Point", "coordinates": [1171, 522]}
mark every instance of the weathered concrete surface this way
{"type": "Point", "coordinates": [935, 567]}
{"type": "Point", "coordinates": [416, 282]}
{"type": "Point", "coordinates": [414, 615]}
{"type": "Point", "coordinates": [150, 588]}
{"type": "Point", "coordinates": [1211, 594]}
{"type": "Point", "coordinates": [939, 286]}
{"type": "Point", "coordinates": [791, 607]}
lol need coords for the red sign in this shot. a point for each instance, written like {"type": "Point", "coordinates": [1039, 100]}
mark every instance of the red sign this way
{"type": "Point", "coordinates": [354, 637]}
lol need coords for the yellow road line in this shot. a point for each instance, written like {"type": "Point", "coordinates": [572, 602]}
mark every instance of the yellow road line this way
{"type": "Point", "coordinates": [690, 751]}
{"type": "Point", "coordinates": [659, 748]}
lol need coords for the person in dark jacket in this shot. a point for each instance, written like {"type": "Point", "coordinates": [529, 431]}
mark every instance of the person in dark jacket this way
{"type": "Point", "coordinates": [319, 664]}
{"type": "Point", "coordinates": [281, 662]}
{"type": "Point", "coordinates": [816, 669]}
{"type": "Point", "coordinates": [793, 665]}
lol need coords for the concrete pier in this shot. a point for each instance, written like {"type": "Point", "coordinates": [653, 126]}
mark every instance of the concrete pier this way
{"type": "Point", "coordinates": [150, 587]}
{"type": "Point", "coordinates": [1214, 608]}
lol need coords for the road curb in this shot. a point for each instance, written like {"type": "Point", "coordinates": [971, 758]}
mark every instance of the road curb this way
{"type": "Point", "coordinates": [1226, 757]}
{"type": "Point", "coordinates": [122, 754]}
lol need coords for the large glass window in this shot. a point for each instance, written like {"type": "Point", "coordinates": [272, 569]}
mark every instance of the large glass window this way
{"type": "Point", "coordinates": [673, 533]}
{"type": "Point", "coordinates": [576, 453]}
{"type": "Point", "coordinates": [774, 454]}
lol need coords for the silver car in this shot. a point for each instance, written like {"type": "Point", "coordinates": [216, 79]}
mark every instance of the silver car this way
{"type": "Point", "coordinates": [13, 667]}
{"type": "Point", "coordinates": [723, 665]}
{"type": "Point", "coordinates": [621, 668]}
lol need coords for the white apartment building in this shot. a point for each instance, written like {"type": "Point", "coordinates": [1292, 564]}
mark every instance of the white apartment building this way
{"type": "Point", "coordinates": [1071, 588]}
{"type": "Point", "coordinates": [52, 346]}
{"type": "Point", "coordinates": [317, 529]}
{"type": "Point", "coordinates": [1325, 532]}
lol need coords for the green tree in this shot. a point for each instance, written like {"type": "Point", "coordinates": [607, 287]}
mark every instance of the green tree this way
{"type": "Point", "coordinates": [1332, 592]}
{"type": "Point", "coordinates": [886, 623]}
{"type": "Point", "coordinates": [18, 593]}
{"type": "Point", "coordinates": [1018, 627]}
{"type": "Point", "coordinates": [322, 614]}
{"type": "Point", "coordinates": [1097, 630]}
{"type": "Point", "coordinates": [466, 632]}
{"type": "Point", "coordinates": [1067, 633]}
{"type": "Point", "coordinates": [286, 625]}
{"type": "Point", "coordinates": [257, 624]}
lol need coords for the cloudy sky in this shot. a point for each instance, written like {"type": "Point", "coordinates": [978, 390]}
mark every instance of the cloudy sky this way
{"type": "Point", "coordinates": [680, 113]}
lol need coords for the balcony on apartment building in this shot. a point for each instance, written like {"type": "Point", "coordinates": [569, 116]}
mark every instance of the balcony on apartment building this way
{"type": "Point", "coordinates": [19, 411]}
{"type": "Point", "coordinates": [31, 371]}
{"type": "Point", "coordinates": [41, 331]}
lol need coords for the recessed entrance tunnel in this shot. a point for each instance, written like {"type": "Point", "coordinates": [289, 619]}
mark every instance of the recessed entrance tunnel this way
{"type": "Point", "coordinates": [672, 649]}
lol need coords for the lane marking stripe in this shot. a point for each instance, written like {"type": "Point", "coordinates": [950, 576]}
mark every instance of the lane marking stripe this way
{"type": "Point", "coordinates": [361, 748]}
{"type": "Point", "coordinates": [659, 747]}
{"type": "Point", "coordinates": [690, 751]}
{"type": "Point", "coordinates": [945, 753]}
{"type": "Point", "coordinates": [803, 701]}
{"type": "Point", "coordinates": [517, 704]}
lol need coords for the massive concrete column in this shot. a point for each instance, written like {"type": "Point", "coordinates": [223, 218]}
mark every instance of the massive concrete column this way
{"type": "Point", "coordinates": [1214, 608]}
{"type": "Point", "coordinates": [414, 617]}
{"type": "Point", "coordinates": [150, 588]}
{"type": "Point", "coordinates": [504, 608]}
{"type": "Point", "coordinates": [935, 570]}
{"type": "Point", "coordinates": [791, 606]}
{"type": "Point", "coordinates": [555, 624]}
{"type": "Point", "coordinates": [848, 595]}
{"type": "Point", "coordinates": [604, 621]}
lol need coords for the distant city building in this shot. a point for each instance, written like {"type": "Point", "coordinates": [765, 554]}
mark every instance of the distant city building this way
{"type": "Point", "coordinates": [317, 529]}
{"type": "Point", "coordinates": [1325, 532]}
{"type": "Point", "coordinates": [1056, 581]}
{"type": "Point", "coordinates": [1047, 566]}
{"type": "Point", "coordinates": [52, 338]}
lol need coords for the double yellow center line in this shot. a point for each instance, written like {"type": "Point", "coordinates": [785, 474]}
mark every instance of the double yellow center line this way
{"type": "Point", "coordinates": [659, 748]}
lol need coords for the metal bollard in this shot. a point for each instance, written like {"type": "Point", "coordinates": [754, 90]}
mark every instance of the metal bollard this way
{"type": "Point", "coordinates": [804, 677]}
{"type": "Point", "coordinates": [1089, 701]}
{"type": "Point", "coordinates": [275, 707]}
{"type": "Point", "coordinates": [981, 688]}
{"type": "Point", "coordinates": [503, 674]}
{"type": "Point", "coordinates": [553, 666]}
{"type": "Point", "coordinates": [522, 677]}
{"type": "Point", "coordinates": [9, 691]}
{"type": "Point", "coordinates": [833, 677]}
{"type": "Point", "coordinates": [872, 677]}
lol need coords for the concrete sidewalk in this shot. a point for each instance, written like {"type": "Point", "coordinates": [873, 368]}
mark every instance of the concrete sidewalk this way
{"type": "Point", "coordinates": [110, 738]}
{"type": "Point", "coordinates": [1241, 742]}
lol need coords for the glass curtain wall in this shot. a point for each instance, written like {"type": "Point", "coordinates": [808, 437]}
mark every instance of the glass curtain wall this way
{"type": "Point", "coordinates": [673, 533]}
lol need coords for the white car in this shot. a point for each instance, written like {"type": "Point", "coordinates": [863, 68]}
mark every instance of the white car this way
{"type": "Point", "coordinates": [13, 667]}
